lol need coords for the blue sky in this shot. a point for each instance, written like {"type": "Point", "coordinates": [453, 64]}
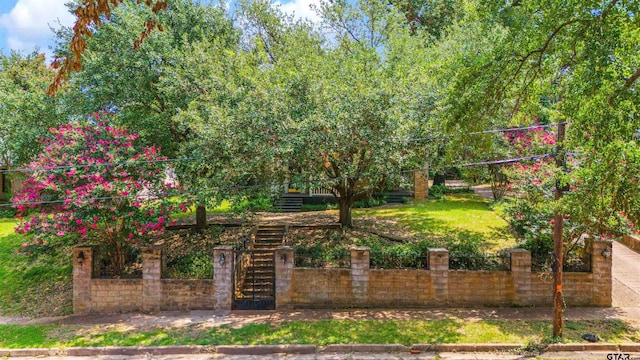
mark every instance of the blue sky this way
{"type": "Point", "coordinates": [24, 24]}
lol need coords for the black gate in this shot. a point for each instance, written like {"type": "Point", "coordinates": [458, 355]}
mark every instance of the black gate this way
{"type": "Point", "coordinates": [254, 280]}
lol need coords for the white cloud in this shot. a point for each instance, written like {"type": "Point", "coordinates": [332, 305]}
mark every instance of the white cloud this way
{"type": "Point", "coordinates": [301, 9]}
{"type": "Point", "coordinates": [27, 24]}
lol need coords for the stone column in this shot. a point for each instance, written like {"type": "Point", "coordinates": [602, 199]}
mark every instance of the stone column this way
{"type": "Point", "coordinates": [284, 260]}
{"type": "Point", "coordinates": [419, 185]}
{"type": "Point", "coordinates": [223, 266]}
{"type": "Point", "coordinates": [601, 269]}
{"type": "Point", "coordinates": [438, 263]}
{"type": "Point", "coordinates": [521, 275]}
{"type": "Point", "coordinates": [85, 263]}
{"type": "Point", "coordinates": [151, 277]}
{"type": "Point", "coordinates": [360, 274]}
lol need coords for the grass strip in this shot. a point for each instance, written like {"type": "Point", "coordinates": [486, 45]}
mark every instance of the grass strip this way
{"type": "Point", "coordinates": [322, 332]}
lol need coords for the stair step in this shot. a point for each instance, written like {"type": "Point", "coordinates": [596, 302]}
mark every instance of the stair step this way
{"type": "Point", "coordinates": [257, 297]}
{"type": "Point", "coordinates": [258, 292]}
{"type": "Point", "coordinates": [261, 267]}
{"type": "Point", "coordinates": [259, 277]}
{"type": "Point", "coordinates": [259, 274]}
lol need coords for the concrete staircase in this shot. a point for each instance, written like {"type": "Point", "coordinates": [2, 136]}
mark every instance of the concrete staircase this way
{"type": "Point", "coordinates": [288, 203]}
{"type": "Point", "coordinates": [259, 275]}
{"type": "Point", "coordinates": [395, 197]}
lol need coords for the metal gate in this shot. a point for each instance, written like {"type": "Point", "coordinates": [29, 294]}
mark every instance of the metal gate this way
{"type": "Point", "coordinates": [254, 280]}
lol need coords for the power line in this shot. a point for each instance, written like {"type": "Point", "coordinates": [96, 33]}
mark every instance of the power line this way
{"type": "Point", "coordinates": [255, 186]}
{"type": "Point", "coordinates": [173, 192]}
{"type": "Point", "coordinates": [489, 162]}
{"type": "Point", "coordinates": [63, 167]}
{"type": "Point", "coordinates": [506, 161]}
{"type": "Point", "coordinates": [488, 132]}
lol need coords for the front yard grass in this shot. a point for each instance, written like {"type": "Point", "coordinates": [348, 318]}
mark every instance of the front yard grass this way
{"type": "Point", "coordinates": [458, 215]}
{"type": "Point", "coordinates": [321, 332]}
{"type": "Point", "coordinates": [32, 285]}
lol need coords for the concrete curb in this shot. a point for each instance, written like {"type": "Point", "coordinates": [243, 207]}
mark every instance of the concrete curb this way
{"type": "Point", "coordinates": [634, 348]}
{"type": "Point", "coordinates": [138, 350]}
{"type": "Point", "coordinates": [305, 349]}
{"type": "Point", "coordinates": [364, 348]}
{"type": "Point", "coordinates": [465, 347]}
{"type": "Point", "coordinates": [265, 349]}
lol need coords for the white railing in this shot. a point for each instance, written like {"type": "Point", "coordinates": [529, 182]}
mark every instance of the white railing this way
{"type": "Point", "coordinates": [319, 191]}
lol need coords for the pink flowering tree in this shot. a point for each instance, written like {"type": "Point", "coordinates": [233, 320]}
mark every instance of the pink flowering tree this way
{"type": "Point", "coordinates": [95, 183]}
{"type": "Point", "coordinates": [601, 201]}
{"type": "Point", "coordinates": [514, 144]}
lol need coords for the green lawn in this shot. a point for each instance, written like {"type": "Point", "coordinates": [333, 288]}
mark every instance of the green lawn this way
{"type": "Point", "coordinates": [323, 332]}
{"type": "Point", "coordinates": [32, 285]}
{"type": "Point", "coordinates": [224, 207]}
{"type": "Point", "coordinates": [457, 215]}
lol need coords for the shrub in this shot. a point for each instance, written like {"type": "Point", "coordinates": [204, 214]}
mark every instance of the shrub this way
{"type": "Point", "coordinates": [191, 266]}
{"type": "Point", "coordinates": [370, 202]}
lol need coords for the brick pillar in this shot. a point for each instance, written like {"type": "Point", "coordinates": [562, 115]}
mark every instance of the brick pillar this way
{"type": "Point", "coordinates": [284, 261]}
{"type": "Point", "coordinates": [223, 277]}
{"type": "Point", "coordinates": [420, 186]}
{"type": "Point", "coordinates": [438, 263]}
{"type": "Point", "coordinates": [151, 278]}
{"type": "Point", "coordinates": [85, 263]}
{"type": "Point", "coordinates": [360, 274]}
{"type": "Point", "coordinates": [601, 269]}
{"type": "Point", "coordinates": [521, 275]}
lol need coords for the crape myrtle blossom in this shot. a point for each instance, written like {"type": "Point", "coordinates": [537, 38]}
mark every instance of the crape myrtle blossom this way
{"type": "Point", "coordinates": [86, 183]}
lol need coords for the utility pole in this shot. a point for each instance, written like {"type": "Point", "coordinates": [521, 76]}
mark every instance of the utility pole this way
{"type": "Point", "coordinates": [557, 238]}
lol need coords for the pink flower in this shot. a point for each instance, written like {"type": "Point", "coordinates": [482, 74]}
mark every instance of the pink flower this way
{"type": "Point", "coordinates": [161, 220]}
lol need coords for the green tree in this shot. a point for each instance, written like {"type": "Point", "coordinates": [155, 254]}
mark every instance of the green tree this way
{"type": "Point", "coordinates": [332, 110]}
{"type": "Point", "coordinates": [26, 111]}
{"type": "Point", "coordinates": [573, 61]}
{"type": "Point", "coordinates": [138, 84]}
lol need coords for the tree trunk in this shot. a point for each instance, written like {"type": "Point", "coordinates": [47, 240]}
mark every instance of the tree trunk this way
{"type": "Point", "coordinates": [117, 260]}
{"type": "Point", "coordinates": [345, 213]}
{"type": "Point", "coordinates": [201, 217]}
{"type": "Point", "coordinates": [426, 180]}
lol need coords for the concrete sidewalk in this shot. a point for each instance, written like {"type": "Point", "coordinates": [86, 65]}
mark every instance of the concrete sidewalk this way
{"type": "Point", "coordinates": [208, 318]}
